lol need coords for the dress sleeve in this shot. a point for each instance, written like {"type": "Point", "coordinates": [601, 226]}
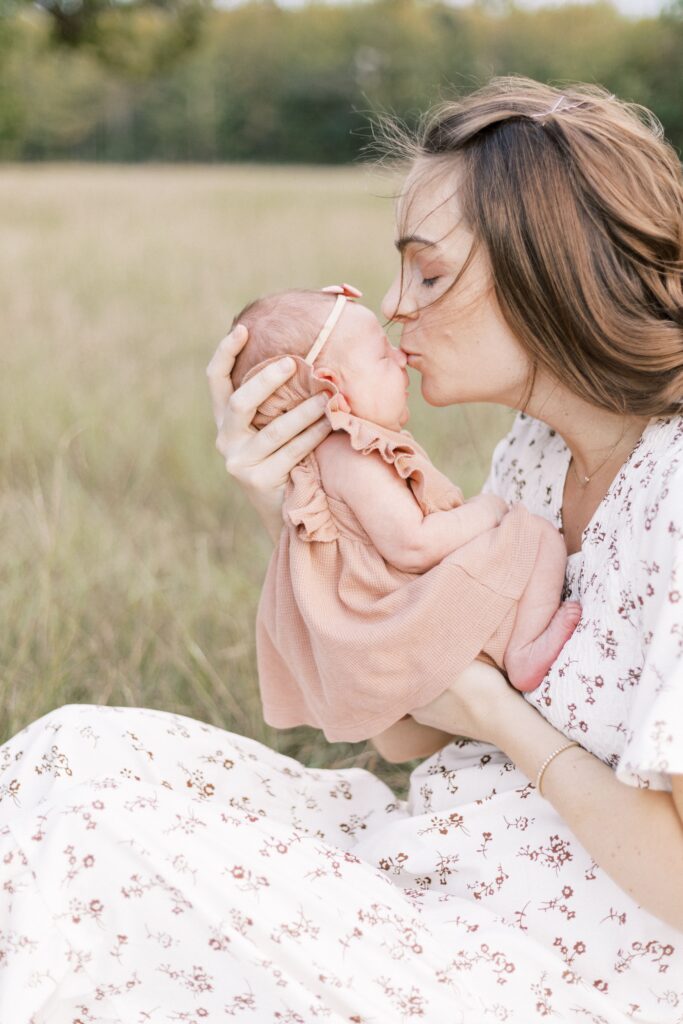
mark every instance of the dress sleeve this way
{"type": "Point", "coordinates": [497, 480]}
{"type": "Point", "coordinates": [492, 484]}
{"type": "Point", "coordinates": [654, 728]}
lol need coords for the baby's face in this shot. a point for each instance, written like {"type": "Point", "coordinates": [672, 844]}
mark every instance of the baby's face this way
{"type": "Point", "coordinates": [367, 369]}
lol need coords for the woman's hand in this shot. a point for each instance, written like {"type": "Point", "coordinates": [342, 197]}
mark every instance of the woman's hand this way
{"type": "Point", "coordinates": [473, 704]}
{"type": "Point", "coordinates": [635, 835]}
{"type": "Point", "coordinates": [261, 461]}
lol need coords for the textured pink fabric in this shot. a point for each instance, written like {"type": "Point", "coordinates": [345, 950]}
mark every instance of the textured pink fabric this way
{"type": "Point", "coordinates": [347, 642]}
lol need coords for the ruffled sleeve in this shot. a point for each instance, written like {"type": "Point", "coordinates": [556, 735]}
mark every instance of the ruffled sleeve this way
{"type": "Point", "coordinates": [433, 490]}
{"type": "Point", "coordinates": [306, 506]}
{"type": "Point", "coordinates": [654, 728]}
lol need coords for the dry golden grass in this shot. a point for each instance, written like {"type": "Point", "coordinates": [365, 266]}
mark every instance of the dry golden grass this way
{"type": "Point", "coordinates": [130, 564]}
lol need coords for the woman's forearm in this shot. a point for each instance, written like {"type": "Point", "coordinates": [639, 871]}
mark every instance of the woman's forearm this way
{"type": "Point", "coordinates": [407, 739]}
{"type": "Point", "coordinates": [268, 511]}
{"type": "Point", "coordinates": [273, 525]}
{"type": "Point", "coordinates": [634, 835]}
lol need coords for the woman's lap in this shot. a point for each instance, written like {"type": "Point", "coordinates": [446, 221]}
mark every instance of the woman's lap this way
{"type": "Point", "coordinates": [159, 869]}
{"type": "Point", "coordinates": [161, 863]}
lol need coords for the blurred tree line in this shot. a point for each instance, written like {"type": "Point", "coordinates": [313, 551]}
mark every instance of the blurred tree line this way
{"type": "Point", "coordinates": [184, 80]}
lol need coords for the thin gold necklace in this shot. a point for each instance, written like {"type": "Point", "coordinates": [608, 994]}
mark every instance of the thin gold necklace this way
{"type": "Point", "coordinates": [583, 481]}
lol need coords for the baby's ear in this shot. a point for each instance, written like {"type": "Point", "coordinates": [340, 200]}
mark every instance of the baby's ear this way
{"type": "Point", "coordinates": [324, 374]}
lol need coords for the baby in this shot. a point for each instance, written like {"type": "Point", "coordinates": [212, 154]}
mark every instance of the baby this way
{"type": "Point", "coordinates": [386, 583]}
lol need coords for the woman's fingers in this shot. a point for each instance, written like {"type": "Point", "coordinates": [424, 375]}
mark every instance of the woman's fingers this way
{"type": "Point", "coordinates": [278, 466]}
{"type": "Point", "coordinates": [220, 367]}
{"type": "Point", "coordinates": [286, 429]}
{"type": "Point", "coordinates": [244, 402]}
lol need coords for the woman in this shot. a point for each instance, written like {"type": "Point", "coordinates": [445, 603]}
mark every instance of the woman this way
{"type": "Point", "coordinates": [190, 875]}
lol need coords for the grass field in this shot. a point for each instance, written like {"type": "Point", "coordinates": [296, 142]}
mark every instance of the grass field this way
{"type": "Point", "coordinates": [130, 564]}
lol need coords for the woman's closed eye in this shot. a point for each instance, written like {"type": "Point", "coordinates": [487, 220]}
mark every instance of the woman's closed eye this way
{"type": "Point", "coordinates": [429, 282]}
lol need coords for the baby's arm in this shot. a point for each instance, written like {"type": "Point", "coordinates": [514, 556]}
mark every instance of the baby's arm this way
{"type": "Point", "coordinates": [390, 515]}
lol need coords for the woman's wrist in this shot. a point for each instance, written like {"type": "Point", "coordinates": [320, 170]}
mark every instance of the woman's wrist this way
{"type": "Point", "coordinates": [269, 513]}
{"type": "Point", "coordinates": [521, 732]}
{"type": "Point", "coordinates": [475, 705]}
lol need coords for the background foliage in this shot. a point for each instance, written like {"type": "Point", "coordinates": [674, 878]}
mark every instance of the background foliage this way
{"type": "Point", "coordinates": [130, 565]}
{"type": "Point", "coordinates": [181, 80]}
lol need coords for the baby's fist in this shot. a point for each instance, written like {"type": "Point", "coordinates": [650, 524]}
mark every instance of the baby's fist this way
{"type": "Point", "coordinates": [492, 507]}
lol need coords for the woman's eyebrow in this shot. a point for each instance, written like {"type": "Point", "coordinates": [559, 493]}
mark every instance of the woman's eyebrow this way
{"type": "Point", "coordinates": [406, 240]}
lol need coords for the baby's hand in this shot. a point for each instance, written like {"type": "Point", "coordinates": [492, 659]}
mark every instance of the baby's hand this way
{"type": "Point", "coordinates": [492, 509]}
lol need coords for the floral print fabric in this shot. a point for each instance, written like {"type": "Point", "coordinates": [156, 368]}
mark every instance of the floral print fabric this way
{"type": "Point", "coordinates": [155, 869]}
{"type": "Point", "coordinates": [617, 686]}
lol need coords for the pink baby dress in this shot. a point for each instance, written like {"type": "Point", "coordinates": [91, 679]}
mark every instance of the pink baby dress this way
{"type": "Point", "coordinates": [347, 642]}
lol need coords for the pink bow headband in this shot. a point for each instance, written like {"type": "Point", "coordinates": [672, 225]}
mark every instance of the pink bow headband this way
{"type": "Point", "coordinates": [344, 292]}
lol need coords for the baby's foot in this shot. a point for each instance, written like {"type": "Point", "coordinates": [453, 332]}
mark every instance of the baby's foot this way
{"type": "Point", "coordinates": [528, 665]}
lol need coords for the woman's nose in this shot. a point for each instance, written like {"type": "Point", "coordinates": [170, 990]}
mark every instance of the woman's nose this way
{"type": "Point", "coordinates": [396, 304]}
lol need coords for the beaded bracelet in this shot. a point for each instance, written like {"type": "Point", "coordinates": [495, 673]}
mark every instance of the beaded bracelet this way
{"type": "Point", "coordinates": [551, 757]}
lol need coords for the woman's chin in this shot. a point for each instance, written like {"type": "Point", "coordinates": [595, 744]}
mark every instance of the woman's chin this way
{"type": "Point", "coordinates": [433, 395]}
{"type": "Point", "coordinates": [437, 396]}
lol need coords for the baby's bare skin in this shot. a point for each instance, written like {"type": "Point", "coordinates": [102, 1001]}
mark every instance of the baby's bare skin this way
{"type": "Point", "coordinates": [403, 536]}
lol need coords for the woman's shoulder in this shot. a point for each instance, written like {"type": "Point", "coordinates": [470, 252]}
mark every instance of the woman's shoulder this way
{"type": "Point", "coordinates": [638, 523]}
{"type": "Point", "coordinates": [657, 460]}
{"type": "Point", "coordinates": [529, 454]}
{"type": "Point", "coordinates": [526, 436]}
{"type": "Point", "coordinates": [655, 473]}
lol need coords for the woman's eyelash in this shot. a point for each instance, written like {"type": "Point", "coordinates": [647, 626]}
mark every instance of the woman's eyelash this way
{"type": "Point", "coordinates": [429, 282]}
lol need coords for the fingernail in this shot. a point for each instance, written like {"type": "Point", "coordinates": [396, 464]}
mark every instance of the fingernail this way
{"type": "Point", "coordinates": [286, 364]}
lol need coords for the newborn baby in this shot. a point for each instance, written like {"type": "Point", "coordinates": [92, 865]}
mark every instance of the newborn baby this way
{"type": "Point", "coordinates": [385, 583]}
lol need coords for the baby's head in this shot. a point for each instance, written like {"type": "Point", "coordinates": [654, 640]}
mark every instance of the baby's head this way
{"type": "Point", "coordinates": [358, 358]}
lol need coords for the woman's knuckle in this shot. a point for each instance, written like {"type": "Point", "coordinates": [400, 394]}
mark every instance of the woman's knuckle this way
{"type": "Point", "coordinates": [233, 463]}
{"type": "Point", "coordinates": [251, 478]}
{"type": "Point", "coordinates": [275, 433]}
{"type": "Point", "coordinates": [238, 403]}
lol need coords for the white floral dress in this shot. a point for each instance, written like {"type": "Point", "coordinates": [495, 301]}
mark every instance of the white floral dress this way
{"type": "Point", "coordinates": [154, 869]}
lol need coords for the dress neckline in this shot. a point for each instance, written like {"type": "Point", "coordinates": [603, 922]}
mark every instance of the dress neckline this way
{"type": "Point", "coordinates": [559, 495]}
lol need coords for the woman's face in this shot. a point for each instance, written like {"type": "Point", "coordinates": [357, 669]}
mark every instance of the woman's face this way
{"type": "Point", "coordinates": [460, 343]}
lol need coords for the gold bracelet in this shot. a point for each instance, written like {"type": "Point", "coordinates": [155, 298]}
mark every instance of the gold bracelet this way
{"type": "Point", "coordinates": [541, 770]}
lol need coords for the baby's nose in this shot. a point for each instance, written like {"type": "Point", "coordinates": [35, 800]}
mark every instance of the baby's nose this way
{"type": "Point", "coordinates": [401, 358]}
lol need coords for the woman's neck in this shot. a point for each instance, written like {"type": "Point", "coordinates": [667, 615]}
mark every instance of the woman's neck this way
{"type": "Point", "coordinates": [598, 440]}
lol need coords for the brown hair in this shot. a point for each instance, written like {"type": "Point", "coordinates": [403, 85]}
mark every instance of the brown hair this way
{"type": "Point", "coordinates": [283, 324]}
{"type": "Point", "coordinates": [577, 199]}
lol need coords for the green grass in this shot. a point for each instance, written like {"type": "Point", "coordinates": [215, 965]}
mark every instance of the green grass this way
{"type": "Point", "coordinates": [130, 564]}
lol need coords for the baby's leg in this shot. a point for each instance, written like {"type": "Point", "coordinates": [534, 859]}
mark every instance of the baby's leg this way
{"type": "Point", "coordinates": [541, 628]}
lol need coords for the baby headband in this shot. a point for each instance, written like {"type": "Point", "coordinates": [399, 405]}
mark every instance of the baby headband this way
{"type": "Point", "coordinates": [344, 292]}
